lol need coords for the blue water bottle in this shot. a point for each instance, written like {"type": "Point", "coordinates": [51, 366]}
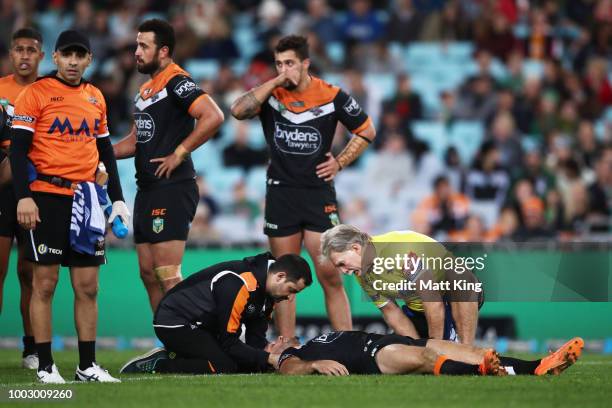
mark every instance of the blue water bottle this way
{"type": "Point", "coordinates": [119, 228]}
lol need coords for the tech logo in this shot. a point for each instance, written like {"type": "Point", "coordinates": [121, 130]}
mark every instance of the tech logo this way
{"type": "Point", "coordinates": [43, 249]}
{"type": "Point", "coordinates": [145, 127]}
{"type": "Point", "coordinates": [294, 139]}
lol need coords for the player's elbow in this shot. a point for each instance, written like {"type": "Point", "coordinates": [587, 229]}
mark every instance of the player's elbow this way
{"type": "Point", "coordinates": [237, 112]}
{"type": "Point", "coordinates": [218, 118]}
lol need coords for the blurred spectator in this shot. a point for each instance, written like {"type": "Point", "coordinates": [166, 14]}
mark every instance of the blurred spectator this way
{"type": "Point", "coordinates": [534, 228]}
{"type": "Point", "coordinates": [361, 25]}
{"type": "Point", "coordinates": [555, 212]}
{"type": "Point", "coordinates": [527, 105]}
{"type": "Point", "coordinates": [390, 123]}
{"type": "Point", "coordinates": [539, 43]}
{"type": "Point", "coordinates": [506, 227]}
{"type": "Point", "coordinates": [187, 41]}
{"type": "Point", "coordinates": [588, 147]}
{"type": "Point", "coordinates": [524, 199]}
{"type": "Point", "coordinates": [497, 37]}
{"type": "Point", "coordinates": [447, 25]}
{"type": "Point", "coordinates": [454, 169]}
{"type": "Point", "coordinates": [239, 153]}
{"type": "Point", "coordinates": [117, 105]}
{"type": "Point", "coordinates": [319, 59]}
{"type": "Point", "coordinates": [405, 103]}
{"type": "Point", "coordinates": [551, 79]}
{"type": "Point", "coordinates": [598, 87]}
{"type": "Point", "coordinates": [506, 139]}
{"type": "Point", "coordinates": [514, 79]}
{"type": "Point", "coordinates": [445, 210]}
{"type": "Point", "coordinates": [321, 21]}
{"type": "Point", "coordinates": [206, 199]}
{"type": "Point", "coordinates": [405, 23]}
{"type": "Point", "coordinates": [487, 181]}
{"type": "Point", "coordinates": [392, 167]}
{"type": "Point", "coordinates": [600, 194]}
{"type": "Point", "coordinates": [474, 231]}
{"type": "Point", "coordinates": [357, 213]}
{"type": "Point", "coordinates": [218, 43]}
{"type": "Point", "coordinates": [534, 170]}
{"type": "Point", "coordinates": [242, 206]}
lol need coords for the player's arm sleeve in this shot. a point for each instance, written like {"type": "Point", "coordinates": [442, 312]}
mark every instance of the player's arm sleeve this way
{"type": "Point", "coordinates": [184, 91]}
{"type": "Point", "coordinates": [27, 110]}
{"type": "Point", "coordinates": [350, 113]}
{"type": "Point", "coordinates": [20, 145]}
{"type": "Point", "coordinates": [256, 332]}
{"type": "Point", "coordinates": [107, 156]}
{"type": "Point", "coordinates": [231, 296]}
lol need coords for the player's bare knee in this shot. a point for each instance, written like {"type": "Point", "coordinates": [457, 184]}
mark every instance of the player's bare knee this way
{"type": "Point", "coordinates": [44, 288]}
{"type": "Point", "coordinates": [330, 280]}
{"type": "Point", "coordinates": [86, 290]}
{"type": "Point", "coordinates": [147, 275]}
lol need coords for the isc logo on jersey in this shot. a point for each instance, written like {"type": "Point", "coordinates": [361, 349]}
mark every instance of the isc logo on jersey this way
{"type": "Point", "coordinates": [184, 88]}
{"type": "Point", "coordinates": [294, 139]}
{"type": "Point", "coordinates": [145, 127]}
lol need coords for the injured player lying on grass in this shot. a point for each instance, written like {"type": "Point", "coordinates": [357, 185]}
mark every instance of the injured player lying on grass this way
{"type": "Point", "coordinates": [357, 352]}
{"type": "Point", "coordinates": [354, 352]}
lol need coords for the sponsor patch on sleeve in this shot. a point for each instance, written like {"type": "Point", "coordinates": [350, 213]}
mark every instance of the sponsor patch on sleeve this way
{"type": "Point", "coordinates": [351, 107]}
{"type": "Point", "coordinates": [185, 88]}
{"type": "Point", "coordinates": [23, 118]}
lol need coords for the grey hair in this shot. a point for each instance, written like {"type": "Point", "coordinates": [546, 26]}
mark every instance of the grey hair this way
{"type": "Point", "coordinates": [340, 238]}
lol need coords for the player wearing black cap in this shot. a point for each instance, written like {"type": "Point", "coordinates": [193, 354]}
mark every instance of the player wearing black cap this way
{"type": "Point", "coordinates": [60, 129]}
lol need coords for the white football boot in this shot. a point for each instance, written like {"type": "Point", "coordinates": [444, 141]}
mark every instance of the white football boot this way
{"type": "Point", "coordinates": [94, 373]}
{"type": "Point", "coordinates": [30, 362]}
{"type": "Point", "coordinates": [52, 377]}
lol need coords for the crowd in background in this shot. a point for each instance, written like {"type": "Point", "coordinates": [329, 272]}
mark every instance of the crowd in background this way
{"type": "Point", "coordinates": [493, 117]}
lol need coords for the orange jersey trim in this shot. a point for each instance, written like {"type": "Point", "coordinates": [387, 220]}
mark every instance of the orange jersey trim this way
{"type": "Point", "coordinates": [9, 90]}
{"type": "Point", "coordinates": [251, 282]}
{"type": "Point", "coordinates": [239, 303]}
{"type": "Point", "coordinates": [193, 104]}
{"type": "Point", "coordinates": [318, 93]}
{"type": "Point", "coordinates": [363, 127]}
{"type": "Point", "coordinates": [159, 82]}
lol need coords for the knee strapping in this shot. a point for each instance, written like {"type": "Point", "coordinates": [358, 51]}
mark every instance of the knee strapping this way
{"type": "Point", "coordinates": [168, 272]}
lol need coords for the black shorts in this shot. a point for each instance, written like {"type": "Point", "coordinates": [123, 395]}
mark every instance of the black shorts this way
{"type": "Point", "coordinates": [8, 212]}
{"type": "Point", "coordinates": [49, 242]}
{"type": "Point", "coordinates": [290, 210]}
{"type": "Point", "coordinates": [165, 213]}
{"type": "Point", "coordinates": [376, 342]}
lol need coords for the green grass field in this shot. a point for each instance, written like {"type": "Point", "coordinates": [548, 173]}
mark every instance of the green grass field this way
{"type": "Point", "coordinates": [587, 384]}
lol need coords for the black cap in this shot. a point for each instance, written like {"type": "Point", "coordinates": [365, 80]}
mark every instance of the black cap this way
{"type": "Point", "coordinates": [72, 38]}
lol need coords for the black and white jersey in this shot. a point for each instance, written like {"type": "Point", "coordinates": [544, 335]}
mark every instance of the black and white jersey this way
{"type": "Point", "coordinates": [221, 299]}
{"type": "Point", "coordinates": [162, 118]}
{"type": "Point", "coordinates": [299, 128]}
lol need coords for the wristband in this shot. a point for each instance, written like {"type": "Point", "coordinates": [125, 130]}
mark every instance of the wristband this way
{"type": "Point", "coordinates": [181, 152]}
